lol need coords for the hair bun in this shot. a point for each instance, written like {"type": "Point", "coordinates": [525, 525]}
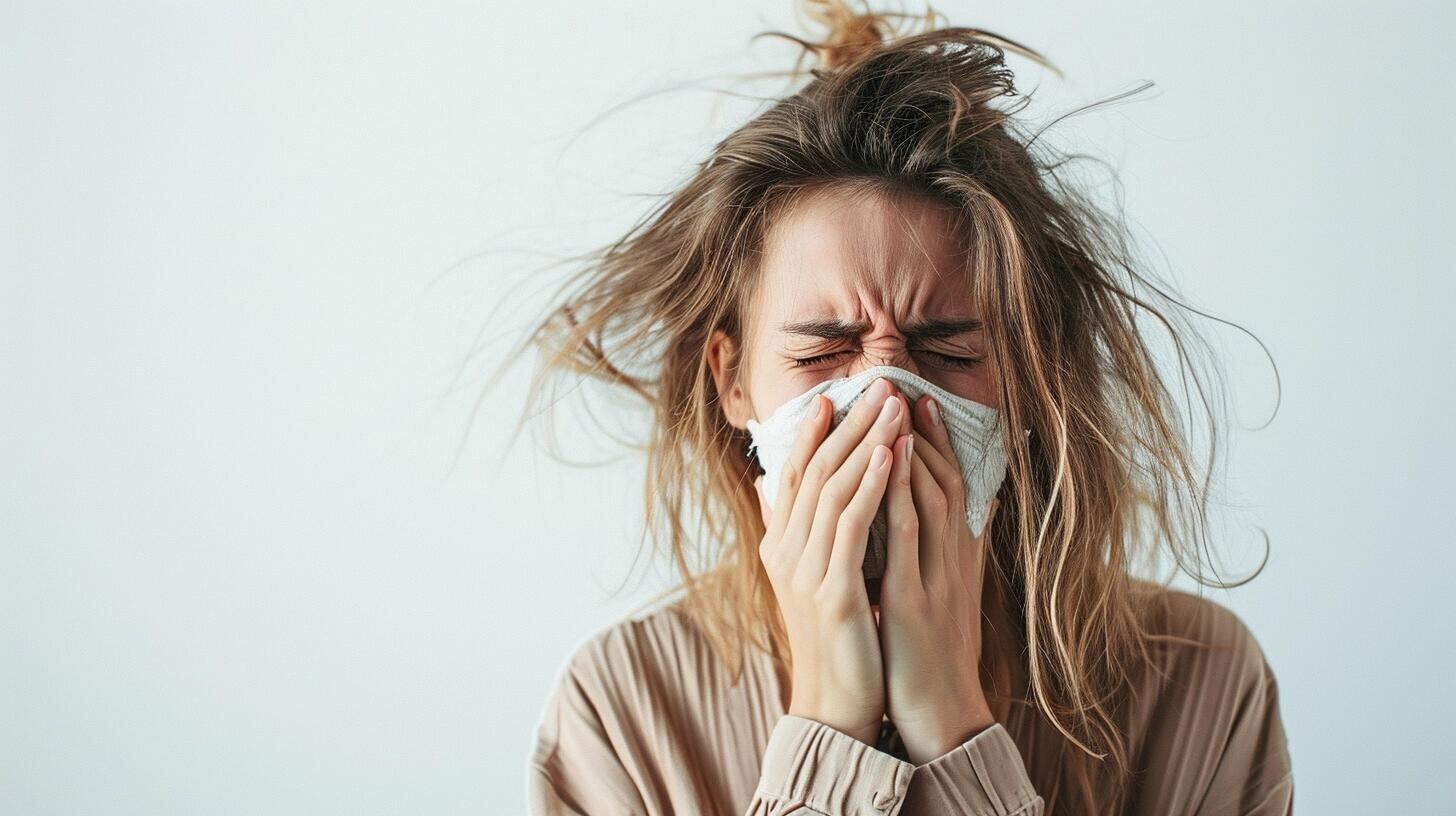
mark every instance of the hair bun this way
{"type": "Point", "coordinates": [851, 36]}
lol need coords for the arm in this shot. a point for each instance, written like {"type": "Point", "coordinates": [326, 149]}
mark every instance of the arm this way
{"type": "Point", "coordinates": [986, 774]}
{"type": "Point", "coordinates": [582, 765]}
{"type": "Point", "coordinates": [935, 607]}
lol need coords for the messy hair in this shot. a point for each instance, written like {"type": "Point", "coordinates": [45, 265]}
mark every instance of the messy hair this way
{"type": "Point", "coordinates": [1105, 480]}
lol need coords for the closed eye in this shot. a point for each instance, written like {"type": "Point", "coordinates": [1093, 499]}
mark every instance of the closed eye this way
{"type": "Point", "coordinates": [947, 360]}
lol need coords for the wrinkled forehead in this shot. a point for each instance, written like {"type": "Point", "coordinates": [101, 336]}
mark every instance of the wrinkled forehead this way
{"type": "Point", "coordinates": [854, 253]}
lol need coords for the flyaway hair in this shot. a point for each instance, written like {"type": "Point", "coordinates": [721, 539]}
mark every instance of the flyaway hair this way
{"type": "Point", "coordinates": [1106, 480]}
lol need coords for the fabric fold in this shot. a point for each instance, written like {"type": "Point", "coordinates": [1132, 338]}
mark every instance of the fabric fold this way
{"type": "Point", "coordinates": [646, 719]}
{"type": "Point", "coordinates": [984, 776]}
{"type": "Point", "coordinates": [829, 772]}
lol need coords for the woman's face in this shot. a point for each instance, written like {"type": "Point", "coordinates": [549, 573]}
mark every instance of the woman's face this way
{"type": "Point", "coordinates": [853, 282]}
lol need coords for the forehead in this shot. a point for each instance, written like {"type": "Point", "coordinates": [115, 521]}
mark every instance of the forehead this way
{"type": "Point", "coordinates": [846, 253]}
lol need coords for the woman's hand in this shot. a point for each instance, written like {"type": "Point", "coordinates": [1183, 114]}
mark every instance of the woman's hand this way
{"type": "Point", "coordinates": [813, 552]}
{"type": "Point", "coordinates": [930, 601]}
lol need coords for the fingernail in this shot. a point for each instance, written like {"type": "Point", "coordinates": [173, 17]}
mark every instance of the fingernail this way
{"type": "Point", "coordinates": [818, 407]}
{"type": "Point", "coordinates": [909, 449]}
{"type": "Point", "coordinates": [934, 411]}
{"type": "Point", "coordinates": [879, 457]}
{"type": "Point", "coordinates": [879, 389]}
{"type": "Point", "coordinates": [890, 410]}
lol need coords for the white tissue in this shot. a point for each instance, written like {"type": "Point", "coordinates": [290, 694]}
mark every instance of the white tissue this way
{"type": "Point", "coordinates": [975, 435]}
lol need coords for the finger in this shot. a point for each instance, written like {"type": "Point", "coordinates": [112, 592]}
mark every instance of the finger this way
{"type": "Point", "coordinates": [853, 528]}
{"type": "Point", "coordinates": [940, 455]}
{"type": "Point", "coordinates": [840, 490]}
{"type": "Point", "coordinates": [828, 455]}
{"type": "Point", "coordinates": [791, 478]}
{"type": "Point", "coordinates": [930, 421]}
{"type": "Point", "coordinates": [946, 474]}
{"type": "Point", "coordinates": [933, 511]}
{"type": "Point", "coordinates": [903, 559]}
{"type": "Point", "coordinates": [948, 525]}
{"type": "Point", "coordinates": [908, 424]}
{"type": "Point", "coordinates": [971, 562]}
{"type": "Point", "coordinates": [847, 436]}
{"type": "Point", "coordinates": [974, 567]}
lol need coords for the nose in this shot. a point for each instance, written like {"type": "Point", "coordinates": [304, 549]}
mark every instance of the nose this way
{"type": "Point", "coordinates": [895, 356]}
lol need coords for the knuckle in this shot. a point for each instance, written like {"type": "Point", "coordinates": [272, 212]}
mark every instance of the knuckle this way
{"type": "Point", "coordinates": [937, 503]}
{"type": "Point", "coordinates": [937, 592]}
{"type": "Point", "coordinates": [802, 585]}
{"type": "Point", "coordinates": [837, 494]}
{"type": "Point", "coordinates": [817, 472]}
{"type": "Point", "coordinates": [938, 499]}
{"type": "Point", "coordinates": [907, 526]}
{"type": "Point", "coordinates": [849, 528]}
{"type": "Point", "coordinates": [861, 418]}
{"type": "Point", "coordinates": [775, 573]}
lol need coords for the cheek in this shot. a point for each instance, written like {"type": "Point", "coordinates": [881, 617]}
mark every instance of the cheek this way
{"type": "Point", "coordinates": [766, 382]}
{"type": "Point", "coordinates": [981, 385]}
{"type": "Point", "coordinates": [989, 385]}
{"type": "Point", "coordinates": [770, 389]}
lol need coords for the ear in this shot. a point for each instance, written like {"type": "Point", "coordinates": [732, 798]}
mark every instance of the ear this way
{"type": "Point", "coordinates": [723, 360]}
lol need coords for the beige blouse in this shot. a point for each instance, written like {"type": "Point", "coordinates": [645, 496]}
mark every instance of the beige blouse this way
{"type": "Point", "coordinates": [644, 720]}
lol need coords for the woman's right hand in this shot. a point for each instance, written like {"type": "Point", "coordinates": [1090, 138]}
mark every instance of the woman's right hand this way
{"type": "Point", "coordinates": [814, 551]}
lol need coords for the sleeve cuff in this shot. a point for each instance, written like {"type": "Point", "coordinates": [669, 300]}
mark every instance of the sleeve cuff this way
{"type": "Point", "coordinates": [985, 775]}
{"type": "Point", "coordinates": [831, 772]}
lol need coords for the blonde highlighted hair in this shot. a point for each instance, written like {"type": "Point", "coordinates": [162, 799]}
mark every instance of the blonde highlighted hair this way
{"type": "Point", "coordinates": [1107, 479]}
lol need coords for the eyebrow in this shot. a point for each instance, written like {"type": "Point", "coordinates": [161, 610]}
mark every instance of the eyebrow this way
{"type": "Point", "coordinates": [833, 328]}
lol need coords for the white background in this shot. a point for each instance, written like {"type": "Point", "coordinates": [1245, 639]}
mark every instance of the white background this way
{"type": "Point", "coordinates": [247, 249]}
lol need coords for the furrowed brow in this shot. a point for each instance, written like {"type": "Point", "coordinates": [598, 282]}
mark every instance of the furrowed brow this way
{"type": "Point", "coordinates": [941, 329]}
{"type": "Point", "coordinates": [827, 328]}
{"type": "Point", "coordinates": [832, 328]}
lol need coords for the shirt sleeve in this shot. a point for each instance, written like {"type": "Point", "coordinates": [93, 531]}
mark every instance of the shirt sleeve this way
{"type": "Point", "coordinates": [984, 776]}
{"type": "Point", "coordinates": [812, 768]}
{"type": "Point", "coordinates": [581, 766]}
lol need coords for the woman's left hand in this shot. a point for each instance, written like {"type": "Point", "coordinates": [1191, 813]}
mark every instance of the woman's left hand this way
{"type": "Point", "coordinates": [930, 599]}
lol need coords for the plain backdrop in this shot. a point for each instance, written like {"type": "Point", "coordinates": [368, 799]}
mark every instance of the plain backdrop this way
{"type": "Point", "coordinates": [262, 548]}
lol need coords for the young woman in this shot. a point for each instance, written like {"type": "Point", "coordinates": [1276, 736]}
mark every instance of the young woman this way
{"type": "Point", "coordinates": [891, 213]}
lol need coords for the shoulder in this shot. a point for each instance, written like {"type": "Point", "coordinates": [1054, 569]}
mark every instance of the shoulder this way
{"type": "Point", "coordinates": [635, 689]}
{"type": "Point", "coordinates": [1204, 657]}
{"type": "Point", "coordinates": [1206, 715]}
{"type": "Point", "coordinates": [1194, 628]}
{"type": "Point", "coordinates": [620, 669]}
{"type": "Point", "coordinates": [633, 648]}
{"type": "Point", "coordinates": [610, 677]}
{"type": "Point", "coordinates": [636, 702]}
